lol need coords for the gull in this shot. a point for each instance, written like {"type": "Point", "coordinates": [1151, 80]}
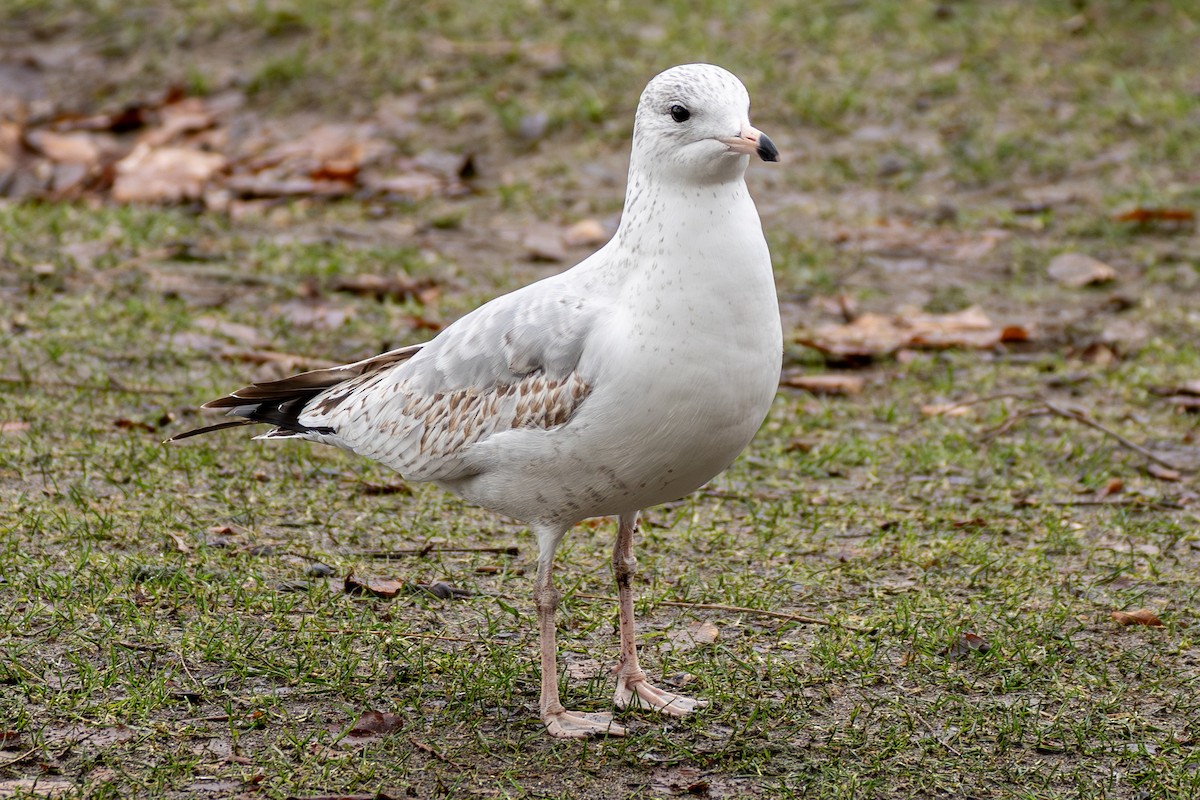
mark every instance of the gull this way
{"type": "Point", "coordinates": [627, 381]}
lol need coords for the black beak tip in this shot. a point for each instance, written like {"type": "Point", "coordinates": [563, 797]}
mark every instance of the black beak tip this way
{"type": "Point", "coordinates": [767, 150]}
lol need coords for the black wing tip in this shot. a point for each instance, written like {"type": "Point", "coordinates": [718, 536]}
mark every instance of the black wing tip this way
{"type": "Point", "coordinates": [220, 426]}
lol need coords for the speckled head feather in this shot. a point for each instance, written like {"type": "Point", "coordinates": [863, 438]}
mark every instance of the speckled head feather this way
{"type": "Point", "coordinates": [683, 116]}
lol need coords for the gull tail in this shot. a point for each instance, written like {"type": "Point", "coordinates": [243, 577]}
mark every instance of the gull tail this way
{"type": "Point", "coordinates": [280, 403]}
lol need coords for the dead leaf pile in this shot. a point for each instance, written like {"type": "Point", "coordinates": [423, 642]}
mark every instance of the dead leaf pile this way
{"type": "Point", "coordinates": [873, 335]}
{"type": "Point", "coordinates": [210, 150]}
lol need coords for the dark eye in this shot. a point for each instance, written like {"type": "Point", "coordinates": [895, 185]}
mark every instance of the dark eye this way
{"type": "Point", "coordinates": [679, 113]}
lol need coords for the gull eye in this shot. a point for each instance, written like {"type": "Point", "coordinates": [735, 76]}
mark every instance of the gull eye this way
{"type": "Point", "coordinates": [679, 113]}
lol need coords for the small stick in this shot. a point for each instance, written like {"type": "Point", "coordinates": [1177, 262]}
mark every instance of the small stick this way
{"type": "Point", "coordinates": [421, 551]}
{"type": "Point", "coordinates": [427, 749]}
{"type": "Point", "coordinates": [434, 636]}
{"type": "Point", "coordinates": [742, 610]}
{"type": "Point", "coordinates": [17, 759]}
{"type": "Point", "coordinates": [1078, 416]}
{"type": "Point", "coordinates": [1134, 502]}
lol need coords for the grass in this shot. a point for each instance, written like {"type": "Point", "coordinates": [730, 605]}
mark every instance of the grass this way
{"type": "Point", "coordinates": [168, 629]}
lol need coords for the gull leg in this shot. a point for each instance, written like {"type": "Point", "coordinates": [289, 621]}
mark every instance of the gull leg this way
{"type": "Point", "coordinates": [559, 722]}
{"type": "Point", "coordinates": [633, 690]}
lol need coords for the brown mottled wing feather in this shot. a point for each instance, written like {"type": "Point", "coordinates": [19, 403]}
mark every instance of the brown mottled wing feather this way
{"type": "Point", "coordinates": [512, 363]}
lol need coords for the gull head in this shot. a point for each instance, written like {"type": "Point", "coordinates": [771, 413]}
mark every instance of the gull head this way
{"type": "Point", "coordinates": [693, 121]}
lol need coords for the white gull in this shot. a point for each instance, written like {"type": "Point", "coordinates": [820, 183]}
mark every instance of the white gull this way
{"type": "Point", "coordinates": [627, 381]}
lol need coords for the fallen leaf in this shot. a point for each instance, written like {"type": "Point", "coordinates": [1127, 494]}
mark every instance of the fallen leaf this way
{"type": "Point", "coordinates": [366, 487]}
{"type": "Point", "coordinates": [268, 185]}
{"type": "Point", "coordinates": [586, 232]}
{"type": "Point", "coordinates": [398, 287]}
{"type": "Point", "coordinates": [66, 148]}
{"type": "Point", "coordinates": [377, 723]}
{"type": "Point", "coordinates": [947, 409]}
{"type": "Point", "coordinates": [873, 335]}
{"type": "Point", "coordinates": [1114, 486]}
{"type": "Point", "coordinates": [1076, 270]}
{"type": "Point", "coordinates": [1143, 216]}
{"type": "Point", "coordinates": [386, 589]}
{"type": "Point", "coordinates": [412, 185]}
{"type": "Point", "coordinates": [13, 426]}
{"type": "Point", "coordinates": [236, 331]}
{"type": "Point", "coordinates": [1185, 402]}
{"type": "Point", "coordinates": [584, 669]}
{"type": "Point", "coordinates": [1164, 473]}
{"type": "Point", "coordinates": [545, 243]}
{"type": "Point", "coordinates": [826, 384]}
{"type": "Point", "coordinates": [695, 635]}
{"type": "Point", "coordinates": [967, 643]}
{"type": "Point", "coordinates": [1142, 616]}
{"type": "Point", "coordinates": [188, 115]}
{"type": "Point", "coordinates": [129, 424]}
{"type": "Point", "coordinates": [704, 632]}
{"type": "Point", "coordinates": [165, 174]}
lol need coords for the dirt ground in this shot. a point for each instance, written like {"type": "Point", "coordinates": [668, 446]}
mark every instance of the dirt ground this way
{"type": "Point", "coordinates": [987, 254]}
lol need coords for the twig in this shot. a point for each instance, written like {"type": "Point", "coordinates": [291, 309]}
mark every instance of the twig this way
{"type": "Point", "coordinates": [742, 610]}
{"type": "Point", "coordinates": [1079, 416]}
{"type": "Point", "coordinates": [376, 632]}
{"type": "Point", "coordinates": [1128, 501]}
{"type": "Point", "coordinates": [422, 551]}
{"type": "Point", "coordinates": [427, 749]}
{"type": "Point", "coordinates": [18, 758]}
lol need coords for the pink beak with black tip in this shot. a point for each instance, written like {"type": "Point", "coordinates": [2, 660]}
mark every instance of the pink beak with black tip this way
{"type": "Point", "coordinates": [752, 142]}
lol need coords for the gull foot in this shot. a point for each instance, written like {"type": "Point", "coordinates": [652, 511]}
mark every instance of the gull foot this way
{"type": "Point", "coordinates": [580, 725]}
{"type": "Point", "coordinates": [640, 693]}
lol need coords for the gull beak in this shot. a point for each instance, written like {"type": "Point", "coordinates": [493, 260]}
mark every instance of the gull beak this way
{"type": "Point", "coordinates": [752, 142]}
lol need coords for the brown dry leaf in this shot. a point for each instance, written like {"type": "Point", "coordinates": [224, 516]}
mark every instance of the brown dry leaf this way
{"type": "Point", "coordinates": [377, 587]}
{"type": "Point", "coordinates": [1142, 616]}
{"type": "Point", "coordinates": [695, 635]}
{"type": "Point", "coordinates": [165, 174]}
{"type": "Point", "coordinates": [947, 409]}
{"type": "Point", "coordinates": [826, 384]}
{"type": "Point", "coordinates": [878, 334]}
{"type": "Point", "coordinates": [584, 669]}
{"type": "Point", "coordinates": [377, 723]}
{"type": "Point", "coordinates": [129, 424]}
{"type": "Point", "coordinates": [1143, 216]}
{"type": "Point", "coordinates": [366, 487]}
{"type": "Point", "coordinates": [268, 185]}
{"type": "Point", "coordinates": [1076, 270]}
{"type": "Point", "coordinates": [1114, 486]}
{"type": "Point", "coordinates": [412, 185]}
{"type": "Point", "coordinates": [66, 148]}
{"type": "Point", "coordinates": [1164, 473]}
{"type": "Point", "coordinates": [967, 643]}
{"type": "Point", "coordinates": [397, 287]}
{"type": "Point", "coordinates": [545, 243]}
{"type": "Point", "coordinates": [13, 426]}
{"type": "Point", "coordinates": [242, 334]}
{"type": "Point", "coordinates": [586, 232]}
{"type": "Point", "coordinates": [704, 632]}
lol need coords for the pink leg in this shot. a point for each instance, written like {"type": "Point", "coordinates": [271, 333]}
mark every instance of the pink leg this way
{"type": "Point", "coordinates": [559, 722]}
{"type": "Point", "coordinates": [633, 690]}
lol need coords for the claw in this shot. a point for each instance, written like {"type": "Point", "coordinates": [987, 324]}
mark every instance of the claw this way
{"type": "Point", "coordinates": [640, 693]}
{"type": "Point", "coordinates": [580, 725]}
